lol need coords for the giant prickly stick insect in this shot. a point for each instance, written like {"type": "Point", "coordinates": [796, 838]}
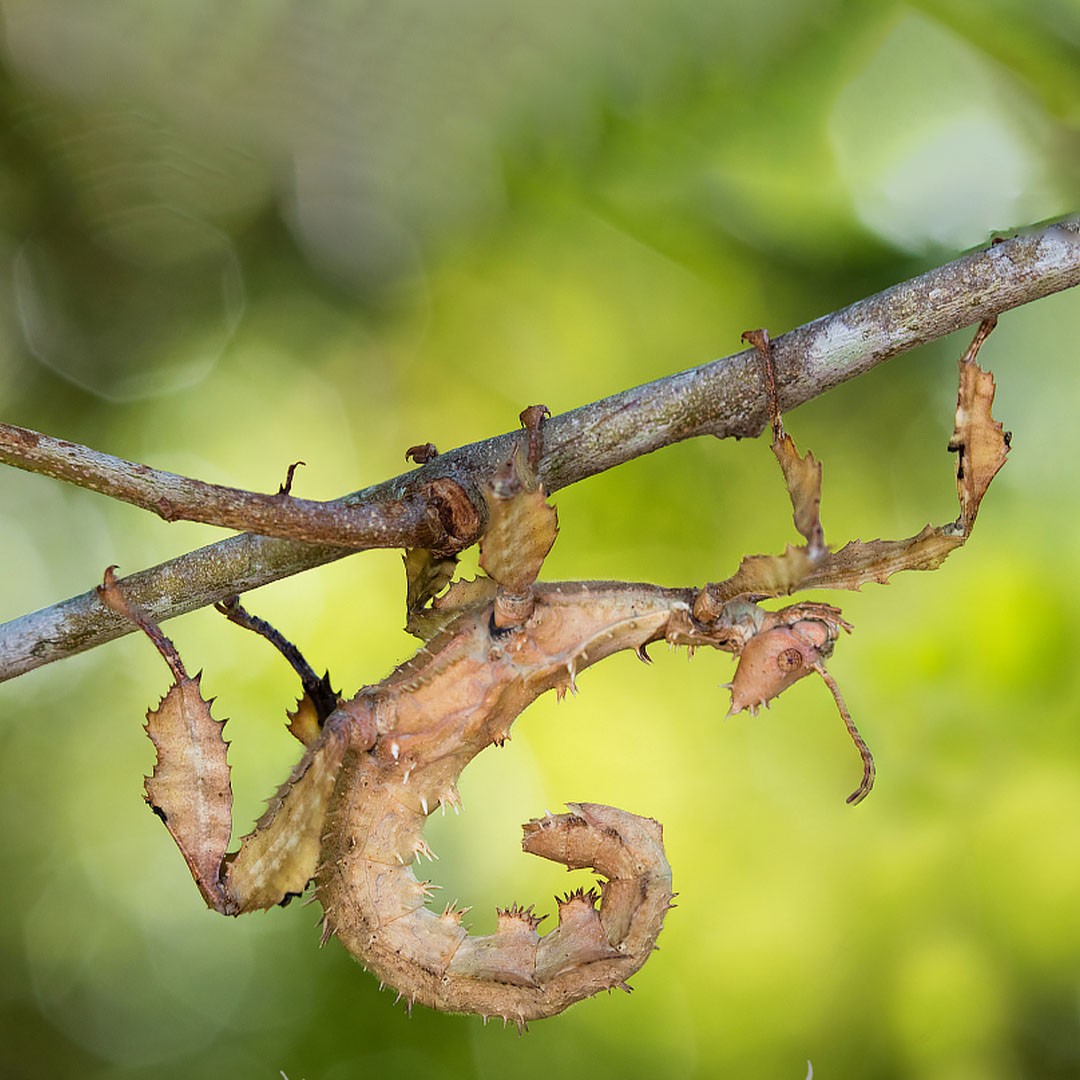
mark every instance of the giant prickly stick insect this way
{"type": "Point", "coordinates": [351, 816]}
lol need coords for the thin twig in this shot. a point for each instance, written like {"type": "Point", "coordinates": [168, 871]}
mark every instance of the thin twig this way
{"type": "Point", "coordinates": [721, 398]}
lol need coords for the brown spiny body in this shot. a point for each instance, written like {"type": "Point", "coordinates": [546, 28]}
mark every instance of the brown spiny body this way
{"type": "Point", "coordinates": [460, 694]}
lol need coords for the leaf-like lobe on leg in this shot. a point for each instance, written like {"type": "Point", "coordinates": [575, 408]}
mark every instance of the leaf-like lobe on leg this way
{"type": "Point", "coordinates": [189, 788]}
{"type": "Point", "coordinates": [978, 439]}
{"type": "Point", "coordinates": [982, 445]}
{"type": "Point", "coordinates": [426, 574]}
{"type": "Point", "coordinates": [802, 473]}
{"type": "Point", "coordinates": [521, 526]}
{"type": "Point", "coordinates": [304, 723]}
{"type": "Point", "coordinates": [279, 857]}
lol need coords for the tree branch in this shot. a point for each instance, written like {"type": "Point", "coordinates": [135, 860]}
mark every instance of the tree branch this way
{"type": "Point", "coordinates": [721, 398]}
{"type": "Point", "coordinates": [409, 522]}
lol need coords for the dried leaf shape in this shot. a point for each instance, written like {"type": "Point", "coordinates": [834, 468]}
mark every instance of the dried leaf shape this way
{"type": "Point", "coordinates": [189, 788]}
{"type": "Point", "coordinates": [982, 446]}
{"type": "Point", "coordinates": [464, 594]}
{"type": "Point", "coordinates": [978, 438]}
{"type": "Point", "coordinates": [279, 857]}
{"type": "Point", "coordinates": [803, 478]}
{"type": "Point", "coordinates": [761, 575]}
{"type": "Point", "coordinates": [444, 609]}
{"type": "Point", "coordinates": [521, 526]}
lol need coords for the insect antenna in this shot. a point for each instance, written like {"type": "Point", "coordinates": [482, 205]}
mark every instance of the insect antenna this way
{"type": "Point", "coordinates": [869, 770]}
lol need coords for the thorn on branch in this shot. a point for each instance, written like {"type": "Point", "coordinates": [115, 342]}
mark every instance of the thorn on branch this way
{"type": "Point", "coordinates": [286, 488]}
{"type": "Point", "coordinates": [422, 453]}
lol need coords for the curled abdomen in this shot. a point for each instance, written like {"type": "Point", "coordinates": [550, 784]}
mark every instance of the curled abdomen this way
{"type": "Point", "coordinates": [375, 905]}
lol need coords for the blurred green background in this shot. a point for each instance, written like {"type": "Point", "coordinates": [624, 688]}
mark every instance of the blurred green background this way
{"type": "Point", "coordinates": [234, 236]}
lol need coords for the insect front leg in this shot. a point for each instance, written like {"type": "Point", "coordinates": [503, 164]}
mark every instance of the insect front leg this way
{"type": "Point", "coordinates": [280, 856]}
{"type": "Point", "coordinates": [190, 790]}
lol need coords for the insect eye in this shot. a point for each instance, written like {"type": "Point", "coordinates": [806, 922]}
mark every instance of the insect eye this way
{"type": "Point", "coordinates": [789, 660]}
